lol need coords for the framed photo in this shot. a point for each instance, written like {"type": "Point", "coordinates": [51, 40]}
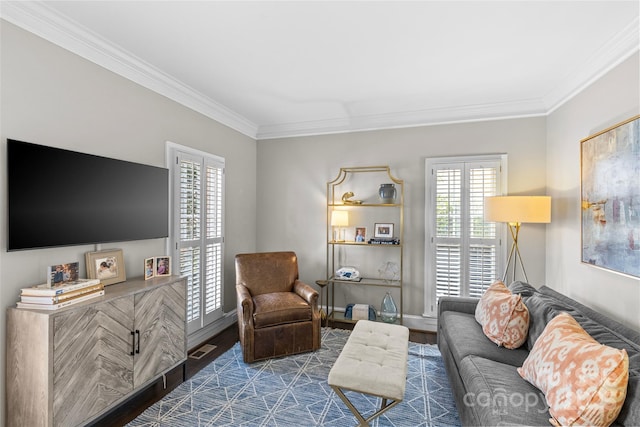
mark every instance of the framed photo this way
{"type": "Point", "coordinates": [163, 266]}
{"type": "Point", "coordinates": [610, 198]}
{"type": "Point", "coordinates": [62, 273]}
{"type": "Point", "coordinates": [108, 266]}
{"type": "Point", "coordinates": [360, 235]}
{"type": "Point", "coordinates": [383, 230]}
{"type": "Point", "coordinates": [149, 268]}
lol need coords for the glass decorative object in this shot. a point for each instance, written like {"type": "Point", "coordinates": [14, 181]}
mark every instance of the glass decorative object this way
{"type": "Point", "coordinates": [387, 193]}
{"type": "Point", "coordinates": [388, 310]}
{"type": "Point", "coordinates": [389, 272]}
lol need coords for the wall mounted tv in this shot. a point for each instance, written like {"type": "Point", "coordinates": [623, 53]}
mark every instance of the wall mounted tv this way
{"type": "Point", "coordinates": [58, 197]}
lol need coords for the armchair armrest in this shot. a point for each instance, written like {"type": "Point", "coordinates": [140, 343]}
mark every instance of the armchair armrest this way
{"type": "Point", "coordinates": [244, 304]}
{"type": "Point", "coordinates": [461, 304]}
{"type": "Point", "coordinates": [307, 293]}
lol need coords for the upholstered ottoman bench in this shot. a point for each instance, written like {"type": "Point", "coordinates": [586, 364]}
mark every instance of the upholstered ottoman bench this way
{"type": "Point", "coordinates": [373, 362]}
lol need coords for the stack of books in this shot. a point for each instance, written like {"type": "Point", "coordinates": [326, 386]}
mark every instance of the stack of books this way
{"type": "Point", "coordinates": [45, 297]}
{"type": "Point", "coordinates": [384, 241]}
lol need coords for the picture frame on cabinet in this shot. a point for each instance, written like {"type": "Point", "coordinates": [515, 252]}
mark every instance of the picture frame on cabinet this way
{"type": "Point", "coordinates": [163, 266]}
{"type": "Point", "coordinates": [60, 274]}
{"type": "Point", "coordinates": [149, 268]}
{"type": "Point", "coordinates": [360, 235]}
{"type": "Point", "coordinates": [383, 230]}
{"type": "Point", "coordinates": [108, 266]}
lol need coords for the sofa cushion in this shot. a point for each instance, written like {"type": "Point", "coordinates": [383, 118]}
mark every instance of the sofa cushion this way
{"type": "Point", "coordinates": [465, 337]}
{"type": "Point", "coordinates": [584, 382]}
{"type": "Point", "coordinates": [499, 396]}
{"type": "Point", "coordinates": [503, 316]}
{"type": "Point", "coordinates": [521, 288]}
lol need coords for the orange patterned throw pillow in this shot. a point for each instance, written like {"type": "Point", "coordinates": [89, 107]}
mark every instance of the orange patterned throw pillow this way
{"type": "Point", "coordinates": [503, 316]}
{"type": "Point", "coordinates": [584, 382]}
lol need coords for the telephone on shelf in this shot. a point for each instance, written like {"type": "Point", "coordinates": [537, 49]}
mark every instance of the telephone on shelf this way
{"type": "Point", "coordinates": [348, 273]}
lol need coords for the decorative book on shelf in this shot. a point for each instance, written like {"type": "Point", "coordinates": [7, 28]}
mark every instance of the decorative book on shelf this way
{"type": "Point", "coordinates": [384, 241]}
{"type": "Point", "coordinates": [45, 297]}
{"type": "Point", "coordinates": [47, 290]}
{"type": "Point", "coordinates": [66, 296]}
{"type": "Point", "coordinates": [62, 304]}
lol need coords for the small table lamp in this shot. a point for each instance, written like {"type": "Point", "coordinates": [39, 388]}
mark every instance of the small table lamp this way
{"type": "Point", "coordinates": [516, 210]}
{"type": "Point", "coordinates": [339, 219]}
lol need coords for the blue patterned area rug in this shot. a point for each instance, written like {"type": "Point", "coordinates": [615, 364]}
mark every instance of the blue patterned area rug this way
{"type": "Point", "coordinates": [293, 391]}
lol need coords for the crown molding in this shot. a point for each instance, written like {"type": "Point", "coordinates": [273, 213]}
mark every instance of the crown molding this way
{"type": "Point", "coordinates": [430, 117]}
{"type": "Point", "coordinates": [38, 18]}
{"type": "Point", "coordinates": [619, 48]}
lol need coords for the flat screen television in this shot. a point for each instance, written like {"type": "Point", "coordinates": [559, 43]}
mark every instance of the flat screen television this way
{"type": "Point", "coordinates": [59, 197]}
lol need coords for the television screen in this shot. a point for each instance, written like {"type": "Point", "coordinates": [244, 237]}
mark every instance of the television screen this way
{"type": "Point", "coordinates": [58, 197]}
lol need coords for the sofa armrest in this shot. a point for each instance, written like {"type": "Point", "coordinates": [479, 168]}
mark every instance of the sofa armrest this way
{"type": "Point", "coordinates": [461, 304]}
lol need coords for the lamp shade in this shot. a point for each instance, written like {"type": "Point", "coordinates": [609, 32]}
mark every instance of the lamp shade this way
{"type": "Point", "coordinates": [339, 218]}
{"type": "Point", "coordinates": [518, 209]}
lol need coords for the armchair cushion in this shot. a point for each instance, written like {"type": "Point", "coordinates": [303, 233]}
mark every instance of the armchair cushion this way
{"type": "Point", "coordinates": [278, 308]}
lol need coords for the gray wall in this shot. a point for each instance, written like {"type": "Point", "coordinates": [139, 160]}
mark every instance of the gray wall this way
{"type": "Point", "coordinates": [293, 172]}
{"type": "Point", "coordinates": [53, 97]}
{"type": "Point", "coordinates": [610, 100]}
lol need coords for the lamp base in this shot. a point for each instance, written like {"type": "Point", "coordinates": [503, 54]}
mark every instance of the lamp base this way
{"type": "Point", "coordinates": [514, 253]}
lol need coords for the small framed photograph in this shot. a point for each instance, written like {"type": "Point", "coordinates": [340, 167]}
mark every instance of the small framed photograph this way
{"type": "Point", "coordinates": [60, 274]}
{"type": "Point", "coordinates": [149, 268]}
{"type": "Point", "coordinates": [162, 266]}
{"type": "Point", "coordinates": [360, 235]}
{"type": "Point", "coordinates": [383, 230]}
{"type": "Point", "coordinates": [108, 266]}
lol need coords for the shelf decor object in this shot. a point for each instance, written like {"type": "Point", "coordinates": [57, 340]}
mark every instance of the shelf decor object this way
{"type": "Point", "coordinates": [516, 210]}
{"type": "Point", "coordinates": [387, 193]}
{"type": "Point", "coordinates": [388, 309]}
{"type": "Point", "coordinates": [339, 220]}
{"type": "Point", "coordinates": [380, 207]}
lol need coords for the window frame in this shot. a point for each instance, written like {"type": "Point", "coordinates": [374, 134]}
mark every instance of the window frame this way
{"type": "Point", "coordinates": [432, 163]}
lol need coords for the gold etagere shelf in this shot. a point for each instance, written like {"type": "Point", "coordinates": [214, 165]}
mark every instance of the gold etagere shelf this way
{"type": "Point", "coordinates": [364, 179]}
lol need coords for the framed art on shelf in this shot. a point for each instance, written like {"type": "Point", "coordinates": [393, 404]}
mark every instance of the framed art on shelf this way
{"type": "Point", "coordinates": [610, 198]}
{"type": "Point", "coordinates": [360, 235]}
{"type": "Point", "coordinates": [108, 266]}
{"type": "Point", "coordinates": [383, 230]}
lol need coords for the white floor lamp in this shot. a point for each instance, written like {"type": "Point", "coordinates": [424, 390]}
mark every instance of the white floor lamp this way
{"type": "Point", "coordinates": [516, 210]}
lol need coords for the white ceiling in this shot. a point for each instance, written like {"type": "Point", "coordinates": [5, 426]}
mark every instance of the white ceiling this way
{"type": "Point", "coordinates": [274, 68]}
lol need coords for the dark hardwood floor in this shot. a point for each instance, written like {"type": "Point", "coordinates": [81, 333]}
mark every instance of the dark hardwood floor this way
{"type": "Point", "coordinates": [223, 342]}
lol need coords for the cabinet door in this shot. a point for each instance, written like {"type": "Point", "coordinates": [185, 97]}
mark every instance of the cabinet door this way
{"type": "Point", "coordinates": [92, 361]}
{"type": "Point", "coordinates": [160, 318]}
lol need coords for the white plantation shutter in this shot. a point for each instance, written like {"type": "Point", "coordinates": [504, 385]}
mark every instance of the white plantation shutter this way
{"type": "Point", "coordinates": [199, 237]}
{"type": "Point", "coordinates": [461, 249]}
{"type": "Point", "coordinates": [214, 240]}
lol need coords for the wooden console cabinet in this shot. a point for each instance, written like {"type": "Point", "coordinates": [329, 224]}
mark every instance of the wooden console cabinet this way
{"type": "Point", "coordinates": [69, 366]}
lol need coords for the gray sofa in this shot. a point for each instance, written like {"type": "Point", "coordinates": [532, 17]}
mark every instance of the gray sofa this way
{"type": "Point", "coordinates": [487, 388]}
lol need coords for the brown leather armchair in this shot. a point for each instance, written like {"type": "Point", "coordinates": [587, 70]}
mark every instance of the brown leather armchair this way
{"type": "Point", "coordinates": [277, 313]}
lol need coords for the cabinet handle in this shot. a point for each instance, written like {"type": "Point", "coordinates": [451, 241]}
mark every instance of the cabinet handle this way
{"type": "Point", "coordinates": [133, 342]}
{"type": "Point", "coordinates": [138, 347]}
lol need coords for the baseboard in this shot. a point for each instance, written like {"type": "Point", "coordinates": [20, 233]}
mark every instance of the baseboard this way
{"type": "Point", "coordinates": [202, 335]}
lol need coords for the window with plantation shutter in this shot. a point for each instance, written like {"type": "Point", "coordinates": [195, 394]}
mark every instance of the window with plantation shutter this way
{"type": "Point", "coordinates": [198, 237]}
{"type": "Point", "coordinates": [462, 251]}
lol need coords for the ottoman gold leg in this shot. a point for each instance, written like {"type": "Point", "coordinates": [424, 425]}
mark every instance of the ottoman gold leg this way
{"type": "Point", "coordinates": [362, 421]}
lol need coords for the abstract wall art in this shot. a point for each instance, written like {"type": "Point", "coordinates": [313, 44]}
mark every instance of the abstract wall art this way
{"type": "Point", "coordinates": [610, 196]}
